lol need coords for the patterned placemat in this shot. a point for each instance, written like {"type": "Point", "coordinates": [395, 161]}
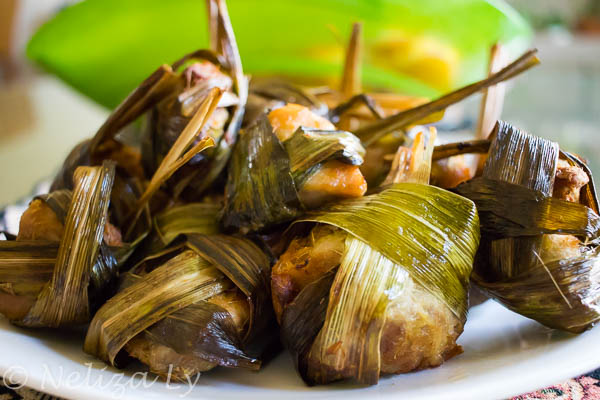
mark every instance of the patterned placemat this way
{"type": "Point", "coordinates": [585, 387]}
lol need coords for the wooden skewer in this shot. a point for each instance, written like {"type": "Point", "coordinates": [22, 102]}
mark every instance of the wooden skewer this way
{"type": "Point", "coordinates": [212, 11]}
{"type": "Point", "coordinates": [493, 97]}
{"type": "Point", "coordinates": [492, 102]}
{"type": "Point", "coordinates": [351, 80]}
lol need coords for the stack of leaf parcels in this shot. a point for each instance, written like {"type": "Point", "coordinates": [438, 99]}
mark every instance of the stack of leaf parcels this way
{"type": "Point", "coordinates": [244, 215]}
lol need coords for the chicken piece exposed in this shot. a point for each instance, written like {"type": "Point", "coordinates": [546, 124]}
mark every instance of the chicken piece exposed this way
{"type": "Point", "coordinates": [569, 181]}
{"type": "Point", "coordinates": [198, 79]}
{"type": "Point", "coordinates": [126, 157]}
{"type": "Point", "coordinates": [160, 358]}
{"type": "Point", "coordinates": [305, 260]}
{"type": "Point", "coordinates": [15, 306]}
{"type": "Point", "coordinates": [217, 120]}
{"type": "Point", "coordinates": [287, 119]}
{"type": "Point", "coordinates": [451, 172]}
{"type": "Point", "coordinates": [205, 70]}
{"type": "Point", "coordinates": [39, 222]}
{"type": "Point", "coordinates": [420, 331]}
{"type": "Point", "coordinates": [112, 235]}
{"type": "Point", "coordinates": [334, 180]}
{"type": "Point", "coordinates": [558, 247]}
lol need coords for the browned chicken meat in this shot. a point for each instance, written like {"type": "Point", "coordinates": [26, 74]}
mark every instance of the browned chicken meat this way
{"type": "Point", "coordinates": [451, 172]}
{"type": "Point", "coordinates": [126, 157]}
{"type": "Point", "coordinates": [569, 181]}
{"type": "Point", "coordinates": [287, 119]}
{"type": "Point", "coordinates": [39, 222]}
{"type": "Point", "coordinates": [306, 260]}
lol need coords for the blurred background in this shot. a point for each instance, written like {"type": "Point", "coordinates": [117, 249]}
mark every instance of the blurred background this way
{"type": "Point", "coordinates": [42, 118]}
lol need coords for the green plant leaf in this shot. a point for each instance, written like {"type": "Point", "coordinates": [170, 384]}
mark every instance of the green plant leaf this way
{"type": "Point", "coordinates": [105, 48]}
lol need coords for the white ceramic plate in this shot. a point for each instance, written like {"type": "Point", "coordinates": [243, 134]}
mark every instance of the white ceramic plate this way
{"type": "Point", "coordinates": [504, 355]}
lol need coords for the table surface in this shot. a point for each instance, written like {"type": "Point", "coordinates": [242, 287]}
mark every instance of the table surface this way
{"type": "Point", "coordinates": [41, 119]}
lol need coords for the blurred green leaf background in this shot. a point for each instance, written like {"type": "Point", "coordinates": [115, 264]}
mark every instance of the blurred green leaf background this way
{"type": "Point", "coordinates": [105, 48]}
